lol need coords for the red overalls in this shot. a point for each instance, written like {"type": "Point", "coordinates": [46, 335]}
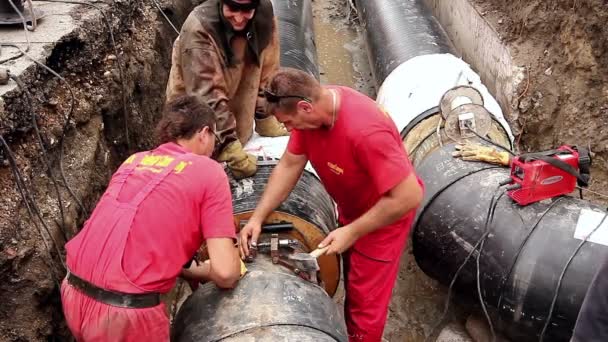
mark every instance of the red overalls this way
{"type": "Point", "coordinates": [89, 319]}
{"type": "Point", "coordinates": [359, 160]}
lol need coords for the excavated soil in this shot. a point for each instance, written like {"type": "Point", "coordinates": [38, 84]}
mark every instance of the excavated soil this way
{"type": "Point", "coordinates": [562, 45]}
{"type": "Point", "coordinates": [94, 144]}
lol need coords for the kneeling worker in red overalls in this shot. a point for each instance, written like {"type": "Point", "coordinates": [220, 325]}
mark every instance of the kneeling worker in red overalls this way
{"type": "Point", "coordinates": [357, 152]}
{"type": "Point", "coordinates": [158, 209]}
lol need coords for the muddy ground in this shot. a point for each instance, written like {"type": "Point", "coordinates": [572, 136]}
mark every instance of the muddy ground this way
{"type": "Point", "coordinates": [563, 44]}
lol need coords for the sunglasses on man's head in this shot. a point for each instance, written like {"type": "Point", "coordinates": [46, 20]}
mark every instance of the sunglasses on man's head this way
{"type": "Point", "coordinates": [217, 137]}
{"type": "Point", "coordinates": [274, 98]}
{"type": "Point", "coordinates": [241, 7]}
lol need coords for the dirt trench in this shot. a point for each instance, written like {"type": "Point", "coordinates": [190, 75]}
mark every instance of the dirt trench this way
{"type": "Point", "coordinates": [563, 99]}
{"type": "Point", "coordinates": [94, 144]}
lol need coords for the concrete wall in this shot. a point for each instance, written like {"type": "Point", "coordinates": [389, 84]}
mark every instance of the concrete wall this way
{"type": "Point", "coordinates": [480, 46]}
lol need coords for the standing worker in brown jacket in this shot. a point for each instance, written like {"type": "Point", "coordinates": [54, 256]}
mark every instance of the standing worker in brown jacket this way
{"type": "Point", "coordinates": [225, 53]}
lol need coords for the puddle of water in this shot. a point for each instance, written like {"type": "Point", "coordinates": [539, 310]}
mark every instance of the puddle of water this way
{"type": "Point", "coordinates": [340, 47]}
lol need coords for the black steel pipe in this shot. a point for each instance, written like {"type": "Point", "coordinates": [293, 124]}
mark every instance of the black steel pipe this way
{"type": "Point", "coordinates": [269, 304]}
{"type": "Point", "coordinates": [308, 200]}
{"type": "Point", "coordinates": [398, 30]}
{"type": "Point", "coordinates": [522, 257]}
{"type": "Point", "coordinates": [297, 36]}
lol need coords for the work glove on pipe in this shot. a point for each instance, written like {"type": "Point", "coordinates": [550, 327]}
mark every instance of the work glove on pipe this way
{"type": "Point", "coordinates": [475, 152]}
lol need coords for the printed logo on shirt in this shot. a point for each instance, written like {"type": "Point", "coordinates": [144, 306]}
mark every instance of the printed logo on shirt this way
{"type": "Point", "coordinates": [335, 168]}
{"type": "Point", "coordinates": [156, 163]}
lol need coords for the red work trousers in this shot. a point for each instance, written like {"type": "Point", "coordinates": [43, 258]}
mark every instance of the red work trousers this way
{"type": "Point", "coordinates": [93, 321]}
{"type": "Point", "coordinates": [369, 284]}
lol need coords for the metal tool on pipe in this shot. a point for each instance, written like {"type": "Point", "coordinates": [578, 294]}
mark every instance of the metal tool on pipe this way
{"type": "Point", "coordinates": [307, 262]}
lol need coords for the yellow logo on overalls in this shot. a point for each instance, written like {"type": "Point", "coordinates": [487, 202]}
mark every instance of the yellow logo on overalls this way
{"type": "Point", "coordinates": [156, 163]}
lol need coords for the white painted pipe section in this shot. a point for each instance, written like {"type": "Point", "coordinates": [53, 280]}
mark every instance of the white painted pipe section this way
{"type": "Point", "coordinates": [419, 83]}
{"type": "Point", "coordinates": [412, 88]}
{"type": "Point", "coordinates": [270, 148]}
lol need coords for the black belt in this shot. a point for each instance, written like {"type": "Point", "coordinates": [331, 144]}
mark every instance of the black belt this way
{"type": "Point", "coordinates": [123, 300]}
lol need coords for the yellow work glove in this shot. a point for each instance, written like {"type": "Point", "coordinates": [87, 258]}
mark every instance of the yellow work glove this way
{"type": "Point", "coordinates": [243, 269]}
{"type": "Point", "coordinates": [475, 152]}
{"type": "Point", "coordinates": [270, 127]}
{"type": "Point", "coordinates": [241, 164]}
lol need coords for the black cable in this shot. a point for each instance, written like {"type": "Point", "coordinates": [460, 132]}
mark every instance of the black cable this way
{"type": "Point", "coordinates": [487, 228]}
{"type": "Point", "coordinates": [45, 156]}
{"type": "Point", "coordinates": [68, 119]}
{"type": "Point", "coordinates": [456, 180]}
{"type": "Point", "coordinates": [432, 199]}
{"type": "Point", "coordinates": [466, 260]}
{"type": "Point", "coordinates": [118, 62]}
{"type": "Point", "coordinates": [31, 206]}
{"type": "Point", "coordinates": [520, 249]}
{"type": "Point", "coordinates": [468, 125]}
{"type": "Point", "coordinates": [165, 15]}
{"type": "Point", "coordinates": [561, 277]}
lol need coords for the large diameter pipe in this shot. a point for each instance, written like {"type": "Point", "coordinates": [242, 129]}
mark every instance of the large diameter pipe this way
{"type": "Point", "coordinates": [523, 256]}
{"type": "Point", "coordinates": [269, 304]}
{"type": "Point", "coordinates": [308, 207]}
{"type": "Point", "coordinates": [528, 247]}
{"type": "Point", "coordinates": [418, 85]}
{"type": "Point", "coordinates": [299, 51]}
{"type": "Point", "coordinates": [296, 35]}
{"type": "Point", "coordinates": [398, 30]}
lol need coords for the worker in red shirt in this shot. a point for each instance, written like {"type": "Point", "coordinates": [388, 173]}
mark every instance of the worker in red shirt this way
{"type": "Point", "coordinates": [357, 152]}
{"type": "Point", "coordinates": [158, 209]}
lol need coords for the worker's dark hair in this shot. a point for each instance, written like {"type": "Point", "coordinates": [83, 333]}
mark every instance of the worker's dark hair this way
{"type": "Point", "coordinates": [289, 86]}
{"type": "Point", "coordinates": [183, 117]}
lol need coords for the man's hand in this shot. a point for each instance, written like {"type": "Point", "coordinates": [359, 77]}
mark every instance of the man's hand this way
{"type": "Point", "coordinates": [339, 240]}
{"type": "Point", "coordinates": [251, 230]}
{"type": "Point", "coordinates": [475, 152]}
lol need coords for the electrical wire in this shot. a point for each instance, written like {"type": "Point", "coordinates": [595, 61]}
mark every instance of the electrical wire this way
{"type": "Point", "coordinates": [68, 119]}
{"type": "Point", "coordinates": [446, 306]}
{"type": "Point", "coordinates": [34, 19]}
{"type": "Point", "coordinates": [165, 15]}
{"type": "Point", "coordinates": [439, 131]}
{"type": "Point", "coordinates": [487, 228]}
{"type": "Point", "coordinates": [470, 127]}
{"type": "Point", "coordinates": [45, 156]}
{"type": "Point", "coordinates": [31, 206]}
{"type": "Point", "coordinates": [118, 62]}
{"type": "Point", "coordinates": [561, 277]}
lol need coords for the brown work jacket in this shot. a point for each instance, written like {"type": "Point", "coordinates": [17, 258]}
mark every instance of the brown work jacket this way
{"type": "Point", "coordinates": [226, 69]}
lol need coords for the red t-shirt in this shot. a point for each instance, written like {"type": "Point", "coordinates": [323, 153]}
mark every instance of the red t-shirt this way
{"type": "Point", "coordinates": [191, 204]}
{"type": "Point", "coordinates": [358, 160]}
